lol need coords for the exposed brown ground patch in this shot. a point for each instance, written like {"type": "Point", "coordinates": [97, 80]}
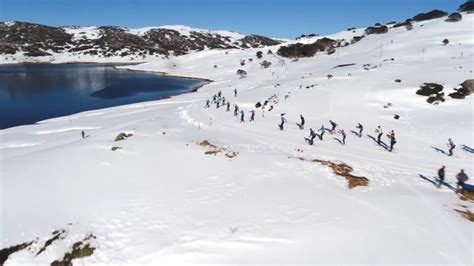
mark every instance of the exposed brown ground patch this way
{"type": "Point", "coordinates": [466, 214]}
{"type": "Point", "coordinates": [342, 169]}
{"type": "Point", "coordinates": [467, 195]}
{"type": "Point", "coordinates": [214, 150]}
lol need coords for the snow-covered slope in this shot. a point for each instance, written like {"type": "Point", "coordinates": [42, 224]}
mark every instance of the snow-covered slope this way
{"type": "Point", "coordinates": [161, 200]}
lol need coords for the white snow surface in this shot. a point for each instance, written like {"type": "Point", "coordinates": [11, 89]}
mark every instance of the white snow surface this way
{"type": "Point", "coordinates": [161, 201]}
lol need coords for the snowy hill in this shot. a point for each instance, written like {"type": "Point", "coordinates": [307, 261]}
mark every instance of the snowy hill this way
{"type": "Point", "coordinates": [27, 42]}
{"type": "Point", "coordinates": [193, 185]}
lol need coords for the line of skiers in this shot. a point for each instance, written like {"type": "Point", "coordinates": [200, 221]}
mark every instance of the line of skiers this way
{"type": "Point", "coordinates": [220, 100]}
{"type": "Point", "coordinates": [359, 126]}
{"type": "Point", "coordinates": [461, 179]}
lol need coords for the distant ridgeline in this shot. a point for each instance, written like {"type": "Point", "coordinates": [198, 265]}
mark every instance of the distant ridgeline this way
{"type": "Point", "coordinates": [329, 45]}
{"type": "Point", "coordinates": [34, 40]}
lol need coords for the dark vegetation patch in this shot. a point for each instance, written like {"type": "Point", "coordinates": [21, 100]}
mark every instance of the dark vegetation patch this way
{"type": "Point", "coordinates": [80, 249]}
{"type": "Point", "coordinates": [6, 252]}
{"type": "Point", "coordinates": [344, 65]}
{"type": "Point", "coordinates": [57, 235]}
{"type": "Point", "coordinates": [454, 17]}
{"type": "Point", "coordinates": [376, 30]}
{"type": "Point", "coordinates": [433, 91]}
{"type": "Point", "coordinates": [342, 169]}
{"type": "Point", "coordinates": [307, 50]}
{"type": "Point", "coordinates": [466, 7]}
{"type": "Point", "coordinates": [430, 15]}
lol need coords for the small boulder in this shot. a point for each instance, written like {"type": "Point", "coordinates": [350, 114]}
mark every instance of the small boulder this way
{"type": "Point", "coordinates": [122, 136]}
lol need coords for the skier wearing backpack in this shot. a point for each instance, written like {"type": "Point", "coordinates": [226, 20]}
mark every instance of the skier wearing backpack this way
{"type": "Point", "coordinates": [451, 146]}
{"type": "Point", "coordinates": [360, 127]}
{"type": "Point", "coordinates": [322, 129]}
{"type": "Point", "coordinates": [441, 175]}
{"type": "Point", "coordinates": [391, 136]}
{"type": "Point", "coordinates": [462, 178]}
{"type": "Point", "coordinates": [380, 133]}
{"type": "Point", "coordinates": [333, 126]}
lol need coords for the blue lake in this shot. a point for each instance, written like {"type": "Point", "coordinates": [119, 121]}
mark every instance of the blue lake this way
{"type": "Point", "coordinates": [31, 93]}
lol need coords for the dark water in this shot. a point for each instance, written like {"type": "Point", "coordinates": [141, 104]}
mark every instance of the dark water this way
{"type": "Point", "coordinates": [31, 93]}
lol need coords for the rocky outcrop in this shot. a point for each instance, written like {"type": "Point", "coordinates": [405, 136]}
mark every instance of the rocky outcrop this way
{"type": "Point", "coordinates": [107, 41]}
{"type": "Point", "coordinates": [307, 50]}
{"type": "Point", "coordinates": [467, 7]}
{"type": "Point", "coordinates": [376, 30]}
{"type": "Point", "coordinates": [467, 88]}
{"type": "Point", "coordinates": [257, 41]}
{"type": "Point", "coordinates": [454, 17]}
{"type": "Point", "coordinates": [430, 15]}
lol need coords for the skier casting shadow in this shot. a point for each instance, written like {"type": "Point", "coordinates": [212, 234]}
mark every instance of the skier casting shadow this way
{"type": "Point", "coordinates": [439, 150]}
{"type": "Point", "coordinates": [435, 183]}
{"type": "Point", "coordinates": [385, 146]}
{"type": "Point", "coordinates": [467, 148]}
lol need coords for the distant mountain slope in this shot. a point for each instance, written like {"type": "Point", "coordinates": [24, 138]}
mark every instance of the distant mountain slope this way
{"type": "Point", "coordinates": [35, 40]}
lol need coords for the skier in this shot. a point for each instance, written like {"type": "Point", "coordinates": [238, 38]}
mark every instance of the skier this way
{"type": "Point", "coordinates": [343, 133]}
{"type": "Point", "coordinates": [312, 136]}
{"type": "Point", "coordinates": [83, 134]}
{"type": "Point", "coordinates": [219, 94]}
{"type": "Point", "coordinates": [333, 125]}
{"type": "Point", "coordinates": [214, 98]}
{"type": "Point", "coordinates": [252, 115]}
{"type": "Point", "coordinates": [228, 107]}
{"type": "Point", "coordinates": [236, 110]}
{"type": "Point", "coordinates": [322, 129]}
{"type": "Point", "coordinates": [218, 104]}
{"type": "Point", "coordinates": [223, 101]}
{"type": "Point", "coordinates": [283, 120]}
{"type": "Point", "coordinates": [391, 136]}
{"type": "Point", "coordinates": [207, 104]}
{"type": "Point", "coordinates": [242, 116]}
{"type": "Point", "coordinates": [301, 125]}
{"type": "Point", "coordinates": [462, 178]}
{"type": "Point", "coordinates": [235, 92]}
{"type": "Point", "coordinates": [360, 127]}
{"type": "Point", "coordinates": [441, 175]}
{"type": "Point", "coordinates": [451, 146]}
{"type": "Point", "coordinates": [380, 133]}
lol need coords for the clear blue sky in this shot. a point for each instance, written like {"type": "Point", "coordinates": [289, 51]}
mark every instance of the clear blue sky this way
{"type": "Point", "coordinates": [273, 18]}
